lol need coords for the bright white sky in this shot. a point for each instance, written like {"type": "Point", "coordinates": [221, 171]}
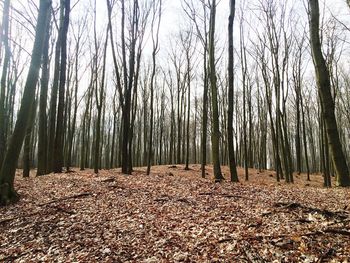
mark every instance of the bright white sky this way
{"type": "Point", "coordinates": [174, 19]}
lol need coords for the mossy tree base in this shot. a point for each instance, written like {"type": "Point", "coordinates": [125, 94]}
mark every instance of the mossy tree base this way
{"type": "Point", "coordinates": [8, 195]}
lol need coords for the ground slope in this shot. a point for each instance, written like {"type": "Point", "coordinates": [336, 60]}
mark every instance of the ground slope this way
{"type": "Point", "coordinates": [173, 215]}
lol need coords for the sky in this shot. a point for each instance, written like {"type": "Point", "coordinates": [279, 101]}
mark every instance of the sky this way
{"type": "Point", "coordinates": [174, 18]}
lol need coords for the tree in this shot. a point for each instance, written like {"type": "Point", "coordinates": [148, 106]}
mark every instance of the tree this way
{"type": "Point", "coordinates": [5, 41]}
{"type": "Point", "coordinates": [327, 102]}
{"type": "Point", "coordinates": [126, 70]}
{"type": "Point", "coordinates": [215, 134]}
{"type": "Point", "coordinates": [202, 33]}
{"type": "Point", "coordinates": [231, 153]}
{"type": "Point", "coordinates": [155, 41]}
{"type": "Point", "coordinates": [59, 136]}
{"type": "Point", "coordinates": [7, 172]}
{"type": "Point", "coordinates": [78, 48]}
{"type": "Point", "coordinates": [186, 39]}
{"type": "Point", "coordinates": [43, 140]}
{"type": "Point", "coordinates": [99, 96]}
{"type": "Point", "coordinates": [27, 147]}
{"type": "Point", "coordinates": [245, 84]}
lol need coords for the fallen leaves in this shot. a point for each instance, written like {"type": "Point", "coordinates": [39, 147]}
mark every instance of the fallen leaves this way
{"type": "Point", "coordinates": [173, 215]}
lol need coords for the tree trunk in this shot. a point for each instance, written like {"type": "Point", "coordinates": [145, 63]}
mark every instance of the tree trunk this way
{"type": "Point", "coordinates": [204, 114]}
{"type": "Point", "coordinates": [99, 103]}
{"type": "Point", "coordinates": [328, 107]}
{"type": "Point", "coordinates": [188, 102]}
{"type": "Point", "coordinates": [5, 42]}
{"type": "Point", "coordinates": [231, 153]}
{"type": "Point", "coordinates": [43, 140]}
{"type": "Point", "coordinates": [155, 41]}
{"type": "Point", "coordinates": [71, 132]}
{"type": "Point", "coordinates": [215, 136]}
{"type": "Point", "coordinates": [305, 140]}
{"type": "Point", "coordinates": [27, 158]}
{"type": "Point", "coordinates": [7, 172]}
{"type": "Point", "coordinates": [59, 141]}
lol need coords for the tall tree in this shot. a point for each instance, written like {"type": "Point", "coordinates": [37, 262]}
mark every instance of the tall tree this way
{"type": "Point", "coordinates": [231, 153]}
{"type": "Point", "coordinates": [327, 101]}
{"type": "Point", "coordinates": [7, 172]}
{"type": "Point", "coordinates": [186, 39]}
{"type": "Point", "coordinates": [78, 47]}
{"type": "Point", "coordinates": [99, 96]}
{"type": "Point", "coordinates": [3, 82]}
{"type": "Point", "coordinates": [54, 92]}
{"type": "Point", "coordinates": [202, 33]}
{"type": "Point", "coordinates": [43, 140]}
{"type": "Point", "coordinates": [157, 12]}
{"type": "Point", "coordinates": [59, 136]}
{"type": "Point", "coordinates": [215, 134]}
{"type": "Point", "coordinates": [125, 72]}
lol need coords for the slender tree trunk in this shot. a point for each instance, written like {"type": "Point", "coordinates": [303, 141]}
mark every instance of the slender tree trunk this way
{"type": "Point", "coordinates": [71, 133]}
{"type": "Point", "coordinates": [245, 84]}
{"type": "Point", "coordinates": [195, 131]}
{"type": "Point", "coordinates": [179, 115]}
{"type": "Point", "coordinates": [155, 41]}
{"type": "Point", "coordinates": [45, 73]}
{"type": "Point", "coordinates": [305, 140]}
{"type": "Point", "coordinates": [172, 127]}
{"type": "Point", "coordinates": [54, 92]}
{"type": "Point", "coordinates": [204, 115]}
{"type": "Point", "coordinates": [27, 147]}
{"type": "Point", "coordinates": [99, 102]}
{"type": "Point", "coordinates": [231, 153]}
{"type": "Point", "coordinates": [188, 111]}
{"type": "Point", "coordinates": [112, 162]}
{"type": "Point", "coordinates": [215, 136]}
{"type": "Point", "coordinates": [127, 101]}
{"type": "Point", "coordinates": [297, 134]}
{"type": "Point", "coordinates": [59, 136]}
{"type": "Point", "coordinates": [6, 61]}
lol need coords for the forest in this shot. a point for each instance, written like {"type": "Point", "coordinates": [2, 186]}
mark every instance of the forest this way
{"type": "Point", "coordinates": [170, 131]}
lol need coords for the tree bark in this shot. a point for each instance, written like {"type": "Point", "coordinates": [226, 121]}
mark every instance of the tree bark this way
{"type": "Point", "coordinates": [27, 148]}
{"type": "Point", "coordinates": [99, 103]}
{"type": "Point", "coordinates": [59, 141]}
{"type": "Point", "coordinates": [155, 41]}
{"type": "Point", "coordinates": [328, 107]}
{"type": "Point", "coordinates": [215, 136]}
{"type": "Point", "coordinates": [3, 81]}
{"type": "Point", "coordinates": [43, 140]}
{"type": "Point", "coordinates": [231, 152]}
{"type": "Point", "coordinates": [204, 114]}
{"type": "Point", "coordinates": [7, 172]}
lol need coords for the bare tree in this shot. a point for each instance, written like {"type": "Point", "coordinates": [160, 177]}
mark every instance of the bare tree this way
{"type": "Point", "coordinates": [215, 134]}
{"type": "Point", "coordinates": [231, 153]}
{"type": "Point", "coordinates": [327, 101]}
{"type": "Point", "coordinates": [7, 172]}
{"type": "Point", "coordinates": [59, 135]}
{"type": "Point", "coordinates": [4, 74]}
{"type": "Point", "coordinates": [157, 13]}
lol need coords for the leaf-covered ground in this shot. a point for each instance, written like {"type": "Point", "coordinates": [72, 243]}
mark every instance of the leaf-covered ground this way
{"type": "Point", "coordinates": [174, 216]}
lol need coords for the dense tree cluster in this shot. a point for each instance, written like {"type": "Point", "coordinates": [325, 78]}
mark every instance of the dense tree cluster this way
{"type": "Point", "coordinates": [102, 89]}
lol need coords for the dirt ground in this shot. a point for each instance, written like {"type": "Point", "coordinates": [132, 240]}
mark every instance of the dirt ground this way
{"type": "Point", "coordinates": [174, 215]}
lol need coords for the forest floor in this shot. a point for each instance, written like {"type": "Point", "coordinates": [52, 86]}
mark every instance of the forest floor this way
{"type": "Point", "coordinates": [173, 215]}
